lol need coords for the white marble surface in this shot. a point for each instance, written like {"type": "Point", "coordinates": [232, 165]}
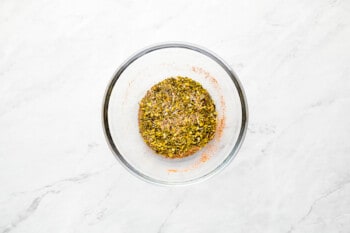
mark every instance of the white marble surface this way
{"type": "Point", "coordinates": [58, 175]}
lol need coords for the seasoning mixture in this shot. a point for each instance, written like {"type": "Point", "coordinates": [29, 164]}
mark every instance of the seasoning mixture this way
{"type": "Point", "coordinates": [177, 117]}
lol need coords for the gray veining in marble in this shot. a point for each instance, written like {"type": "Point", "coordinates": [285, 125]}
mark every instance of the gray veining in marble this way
{"type": "Point", "coordinates": [58, 175]}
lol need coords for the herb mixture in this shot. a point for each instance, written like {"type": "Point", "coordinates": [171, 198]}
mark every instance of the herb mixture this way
{"type": "Point", "coordinates": [177, 117]}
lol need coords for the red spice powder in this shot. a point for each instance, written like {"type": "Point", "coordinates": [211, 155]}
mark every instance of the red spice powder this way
{"type": "Point", "coordinates": [221, 122]}
{"type": "Point", "coordinates": [172, 170]}
{"type": "Point", "coordinates": [207, 75]}
{"type": "Point", "coordinates": [204, 158]}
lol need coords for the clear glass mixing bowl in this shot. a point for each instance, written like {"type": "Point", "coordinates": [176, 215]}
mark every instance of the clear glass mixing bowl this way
{"type": "Point", "coordinates": [150, 66]}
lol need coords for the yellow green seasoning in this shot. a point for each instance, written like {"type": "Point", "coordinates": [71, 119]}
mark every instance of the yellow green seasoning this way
{"type": "Point", "coordinates": [177, 117]}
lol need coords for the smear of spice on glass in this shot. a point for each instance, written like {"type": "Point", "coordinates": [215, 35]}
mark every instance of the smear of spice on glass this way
{"type": "Point", "coordinates": [177, 117]}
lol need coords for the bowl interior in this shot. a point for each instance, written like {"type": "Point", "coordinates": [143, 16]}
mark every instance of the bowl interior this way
{"type": "Point", "coordinates": [131, 83]}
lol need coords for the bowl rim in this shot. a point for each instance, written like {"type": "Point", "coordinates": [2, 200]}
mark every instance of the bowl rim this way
{"type": "Point", "coordinates": [166, 45]}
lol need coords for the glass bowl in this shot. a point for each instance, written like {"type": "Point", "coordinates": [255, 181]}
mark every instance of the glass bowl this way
{"type": "Point", "coordinates": [150, 66]}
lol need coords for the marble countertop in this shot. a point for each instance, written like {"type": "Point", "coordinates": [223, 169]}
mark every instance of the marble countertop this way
{"type": "Point", "coordinates": [58, 175]}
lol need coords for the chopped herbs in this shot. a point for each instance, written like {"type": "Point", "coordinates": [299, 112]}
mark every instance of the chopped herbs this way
{"type": "Point", "coordinates": [177, 117]}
